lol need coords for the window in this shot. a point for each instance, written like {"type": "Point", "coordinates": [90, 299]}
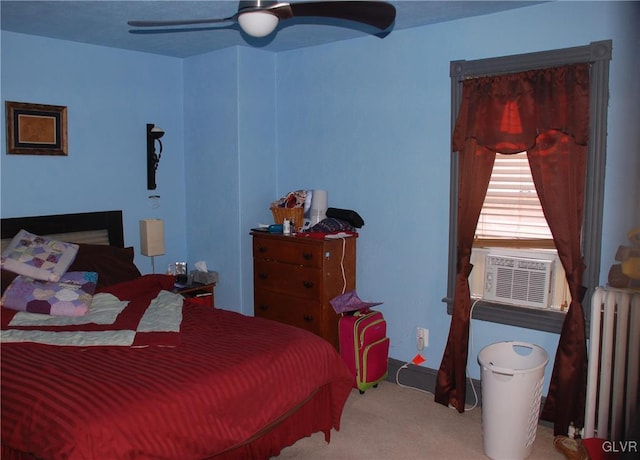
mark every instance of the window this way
{"type": "Point", "coordinates": [511, 209]}
{"type": "Point", "coordinates": [598, 54]}
{"type": "Point", "coordinates": [512, 224]}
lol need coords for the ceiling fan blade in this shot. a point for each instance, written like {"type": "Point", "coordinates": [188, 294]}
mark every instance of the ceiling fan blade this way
{"type": "Point", "coordinates": [378, 14]}
{"type": "Point", "coordinates": [181, 30]}
{"type": "Point", "coordinates": [374, 13]}
{"type": "Point", "coordinates": [185, 22]}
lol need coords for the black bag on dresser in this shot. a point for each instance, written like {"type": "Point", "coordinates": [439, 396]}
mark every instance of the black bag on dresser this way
{"type": "Point", "coordinates": [347, 215]}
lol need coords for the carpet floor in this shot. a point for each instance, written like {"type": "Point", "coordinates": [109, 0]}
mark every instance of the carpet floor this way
{"type": "Point", "coordinates": [394, 422]}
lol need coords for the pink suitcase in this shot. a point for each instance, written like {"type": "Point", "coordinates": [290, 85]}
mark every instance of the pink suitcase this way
{"type": "Point", "coordinates": [364, 346]}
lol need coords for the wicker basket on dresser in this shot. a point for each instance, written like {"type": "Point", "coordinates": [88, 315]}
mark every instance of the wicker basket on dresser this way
{"type": "Point", "coordinates": [294, 278]}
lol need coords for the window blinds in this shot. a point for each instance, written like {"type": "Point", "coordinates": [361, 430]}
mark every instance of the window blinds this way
{"type": "Point", "coordinates": [511, 208]}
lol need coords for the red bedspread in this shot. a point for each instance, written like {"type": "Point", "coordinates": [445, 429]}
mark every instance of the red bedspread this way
{"type": "Point", "coordinates": [229, 377]}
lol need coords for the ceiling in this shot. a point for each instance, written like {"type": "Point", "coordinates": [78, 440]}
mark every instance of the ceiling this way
{"type": "Point", "coordinates": [105, 23]}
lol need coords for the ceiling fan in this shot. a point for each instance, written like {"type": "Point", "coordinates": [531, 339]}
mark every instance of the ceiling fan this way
{"type": "Point", "coordinates": [259, 18]}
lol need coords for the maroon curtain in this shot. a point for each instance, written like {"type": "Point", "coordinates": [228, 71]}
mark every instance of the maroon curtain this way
{"type": "Point", "coordinates": [544, 112]}
{"type": "Point", "coordinates": [475, 166]}
{"type": "Point", "coordinates": [558, 166]}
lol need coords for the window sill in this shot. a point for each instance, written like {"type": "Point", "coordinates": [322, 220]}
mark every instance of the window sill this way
{"type": "Point", "coordinates": [529, 318]}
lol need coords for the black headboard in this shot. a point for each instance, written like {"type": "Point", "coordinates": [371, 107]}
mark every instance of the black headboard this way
{"type": "Point", "coordinates": [67, 223]}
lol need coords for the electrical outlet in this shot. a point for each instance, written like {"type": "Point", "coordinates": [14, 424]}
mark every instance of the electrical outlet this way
{"type": "Point", "coordinates": [422, 338]}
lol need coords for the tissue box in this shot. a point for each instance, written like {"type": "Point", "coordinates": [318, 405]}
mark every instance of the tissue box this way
{"type": "Point", "coordinates": [208, 277]}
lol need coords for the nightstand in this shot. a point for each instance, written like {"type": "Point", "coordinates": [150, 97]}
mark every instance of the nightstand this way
{"type": "Point", "coordinates": [196, 290]}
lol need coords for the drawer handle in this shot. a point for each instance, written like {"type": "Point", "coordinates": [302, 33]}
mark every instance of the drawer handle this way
{"type": "Point", "coordinates": [263, 276]}
{"type": "Point", "coordinates": [307, 284]}
{"type": "Point", "coordinates": [308, 318]}
{"type": "Point", "coordinates": [262, 249]}
{"type": "Point", "coordinates": [263, 307]}
{"type": "Point", "coordinates": [307, 255]}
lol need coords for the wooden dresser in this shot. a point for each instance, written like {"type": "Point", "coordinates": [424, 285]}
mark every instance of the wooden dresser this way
{"type": "Point", "coordinates": [294, 278]}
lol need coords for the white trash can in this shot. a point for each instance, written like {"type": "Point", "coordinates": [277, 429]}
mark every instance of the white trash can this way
{"type": "Point", "coordinates": [512, 378]}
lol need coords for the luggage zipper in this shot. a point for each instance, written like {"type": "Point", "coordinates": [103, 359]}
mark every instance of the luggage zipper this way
{"type": "Point", "coordinates": [357, 339]}
{"type": "Point", "coordinates": [375, 323]}
{"type": "Point", "coordinates": [359, 342]}
{"type": "Point", "coordinates": [365, 360]}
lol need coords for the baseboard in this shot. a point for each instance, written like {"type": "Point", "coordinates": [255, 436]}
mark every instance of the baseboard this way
{"type": "Point", "coordinates": [424, 378]}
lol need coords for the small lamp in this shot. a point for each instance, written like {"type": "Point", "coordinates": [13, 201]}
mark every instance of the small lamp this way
{"type": "Point", "coordinates": [154, 133]}
{"type": "Point", "coordinates": [152, 239]}
{"type": "Point", "coordinates": [258, 23]}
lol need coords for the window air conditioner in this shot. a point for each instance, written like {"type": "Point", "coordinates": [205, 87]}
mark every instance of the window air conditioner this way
{"type": "Point", "coordinates": [518, 280]}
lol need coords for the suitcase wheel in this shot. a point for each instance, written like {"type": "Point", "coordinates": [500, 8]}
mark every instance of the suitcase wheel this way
{"type": "Point", "coordinates": [362, 391]}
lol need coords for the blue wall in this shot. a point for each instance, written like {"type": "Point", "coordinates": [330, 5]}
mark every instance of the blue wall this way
{"type": "Point", "coordinates": [110, 96]}
{"type": "Point", "coordinates": [230, 163]}
{"type": "Point", "coordinates": [367, 119]}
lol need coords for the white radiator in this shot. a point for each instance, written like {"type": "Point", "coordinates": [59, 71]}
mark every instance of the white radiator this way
{"type": "Point", "coordinates": [614, 363]}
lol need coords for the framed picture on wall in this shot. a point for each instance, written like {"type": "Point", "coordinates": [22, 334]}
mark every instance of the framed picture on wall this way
{"type": "Point", "coordinates": [36, 129]}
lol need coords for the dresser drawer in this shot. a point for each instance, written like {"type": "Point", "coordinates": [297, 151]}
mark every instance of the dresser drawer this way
{"type": "Point", "coordinates": [294, 280]}
{"type": "Point", "coordinates": [288, 250]}
{"type": "Point", "coordinates": [302, 313]}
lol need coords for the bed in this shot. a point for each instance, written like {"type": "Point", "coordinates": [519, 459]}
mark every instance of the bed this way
{"type": "Point", "coordinates": [217, 385]}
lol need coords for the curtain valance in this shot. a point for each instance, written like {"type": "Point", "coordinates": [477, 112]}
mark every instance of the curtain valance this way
{"type": "Point", "coordinates": [506, 113]}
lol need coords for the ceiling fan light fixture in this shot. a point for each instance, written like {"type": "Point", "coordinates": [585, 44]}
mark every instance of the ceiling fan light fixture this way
{"type": "Point", "coordinates": [258, 23]}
